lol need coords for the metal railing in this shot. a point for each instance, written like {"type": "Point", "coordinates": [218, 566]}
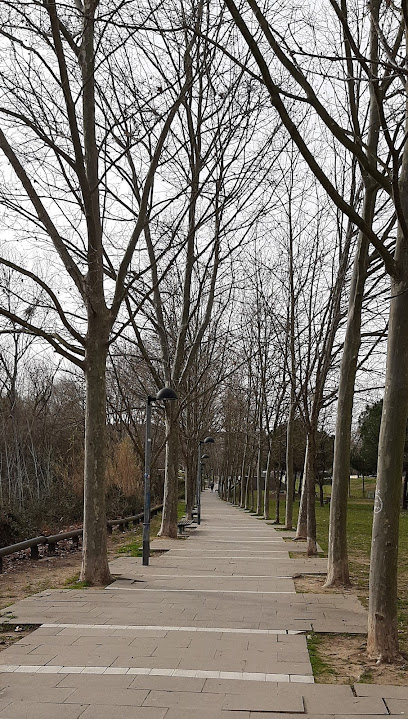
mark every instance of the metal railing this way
{"type": "Point", "coordinates": [52, 540]}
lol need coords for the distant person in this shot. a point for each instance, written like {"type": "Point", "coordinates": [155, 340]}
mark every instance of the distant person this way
{"type": "Point", "coordinates": [212, 486]}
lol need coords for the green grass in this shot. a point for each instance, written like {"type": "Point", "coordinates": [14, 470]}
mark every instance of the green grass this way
{"type": "Point", "coordinates": [74, 583]}
{"type": "Point", "coordinates": [320, 668]}
{"type": "Point", "coordinates": [135, 546]}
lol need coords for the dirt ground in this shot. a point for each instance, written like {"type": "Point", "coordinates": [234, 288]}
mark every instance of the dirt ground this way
{"type": "Point", "coordinates": [342, 659]}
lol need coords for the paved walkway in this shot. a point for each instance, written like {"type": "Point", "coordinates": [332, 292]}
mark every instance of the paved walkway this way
{"type": "Point", "coordinates": [212, 629]}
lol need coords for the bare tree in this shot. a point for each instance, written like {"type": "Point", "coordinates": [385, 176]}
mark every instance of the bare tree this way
{"type": "Point", "coordinates": [63, 82]}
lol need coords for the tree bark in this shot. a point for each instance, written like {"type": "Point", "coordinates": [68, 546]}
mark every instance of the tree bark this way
{"type": "Point", "coordinates": [190, 486]}
{"type": "Point", "coordinates": [301, 529]}
{"type": "Point", "coordinates": [310, 480]}
{"type": "Point", "coordinates": [267, 484]}
{"type": "Point", "coordinates": [404, 491]}
{"type": "Point", "coordinates": [259, 479]}
{"type": "Point", "coordinates": [95, 567]}
{"type": "Point", "coordinates": [170, 499]}
{"type": "Point", "coordinates": [382, 621]}
{"type": "Point", "coordinates": [290, 477]}
{"type": "Point", "coordinates": [382, 642]}
{"type": "Point", "coordinates": [337, 562]}
{"type": "Point", "coordinates": [278, 489]}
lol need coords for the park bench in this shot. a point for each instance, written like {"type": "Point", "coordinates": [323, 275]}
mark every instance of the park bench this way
{"type": "Point", "coordinates": [183, 523]}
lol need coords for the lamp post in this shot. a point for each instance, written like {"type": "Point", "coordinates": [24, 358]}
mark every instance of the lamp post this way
{"type": "Point", "coordinates": [164, 394]}
{"type": "Point", "coordinates": [207, 440]}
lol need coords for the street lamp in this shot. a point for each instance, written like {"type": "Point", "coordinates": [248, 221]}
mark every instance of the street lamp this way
{"type": "Point", "coordinates": [207, 440]}
{"type": "Point", "coordinates": [163, 395]}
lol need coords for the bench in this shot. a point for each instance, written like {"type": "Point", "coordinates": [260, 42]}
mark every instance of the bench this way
{"type": "Point", "coordinates": [183, 523]}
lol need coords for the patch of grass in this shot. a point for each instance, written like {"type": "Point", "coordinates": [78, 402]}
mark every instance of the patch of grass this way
{"type": "Point", "coordinates": [321, 669]}
{"type": "Point", "coordinates": [133, 547]}
{"type": "Point", "coordinates": [74, 583]}
{"type": "Point", "coordinates": [366, 677]}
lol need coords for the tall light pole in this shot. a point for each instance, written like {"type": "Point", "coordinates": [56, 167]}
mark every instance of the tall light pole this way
{"type": "Point", "coordinates": [207, 440]}
{"type": "Point", "coordinates": [164, 394]}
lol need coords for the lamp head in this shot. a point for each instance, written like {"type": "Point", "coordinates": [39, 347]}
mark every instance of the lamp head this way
{"type": "Point", "coordinates": [166, 394]}
{"type": "Point", "coordinates": [205, 456]}
{"type": "Point", "coordinates": [209, 440]}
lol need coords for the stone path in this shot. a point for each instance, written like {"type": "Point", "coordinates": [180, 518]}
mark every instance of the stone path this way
{"type": "Point", "coordinates": [212, 628]}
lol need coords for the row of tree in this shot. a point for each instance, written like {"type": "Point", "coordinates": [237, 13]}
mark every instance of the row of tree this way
{"type": "Point", "coordinates": [192, 193]}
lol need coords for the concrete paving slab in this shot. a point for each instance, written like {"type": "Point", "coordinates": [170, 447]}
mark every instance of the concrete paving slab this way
{"type": "Point", "coordinates": [381, 690]}
{"type": "Point", "coordinates": [271, 702]}
{"type": "Point", "coordinates": [105, 712]}
{"type": "Point", "coordinates": [396, 706]}
{"type": "Point", "coordinates": [41, 710]}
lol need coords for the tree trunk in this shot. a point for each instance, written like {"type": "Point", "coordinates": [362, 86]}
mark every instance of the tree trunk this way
{"type": "Point", "coordinates": [290, 477]}
{"type": "Point", "coordinates": [337, 562]}
{"type": "Point", "coordinates": [382, 642]}
{"type": "Point", "coordinates": [169, 517]}
{"type": "Point", "coordinates": [301, 473]}
{"type": "Point", "coordinates": [243, 484]}
{"type": "Point", "coordinates": [301, 529]}
{"type": "Point", "coordinates": [246, 504]}
{"type": "Point", "coordinates": [190, 486]}
{"type": "Point", "coordinates": [278, 486]}
{"type": "Point", "coordinates": [266, 492]}
{"type": "Point", "coordinates": [95, 568]}
{"type": "Point", "coordinates": [259, 480]}
{"type": "Point", "coordinates": [321, 496]}
{"type": "Point", "coordinates": [310, 480]}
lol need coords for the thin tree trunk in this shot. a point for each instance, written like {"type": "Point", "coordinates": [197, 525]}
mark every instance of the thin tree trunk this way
{"type": "Point", "coordinates": [290, 477]}
{"type": "Point", "coordinates": [301, 529]}
{"type": "Point", "coordinates": [246, 505]}
{"type": "Point", "coordinates": [382, 641]}
{"type": "Point", "coordinates": [190, 486]}
{"type": "Point", "coordinates": [259, 480]}
{"type": "Point", "coordinates": [242, 498]}
{"type": "Point", "coordinates": [266, 492]}
{"type": "Point", "coordinates": [404, 491]}
{"type": "Point", "coordinates": [169, 517]}
{"type": "Point", "coordinates": [310, 482]}
{"type": "Point", "coordinates": [95, 568]}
